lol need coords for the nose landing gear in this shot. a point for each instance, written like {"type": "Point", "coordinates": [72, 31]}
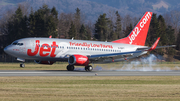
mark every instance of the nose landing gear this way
{"type": "Point", "coordinates": [22, 65]}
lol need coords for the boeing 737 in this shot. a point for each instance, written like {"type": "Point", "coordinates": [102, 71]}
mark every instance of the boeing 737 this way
{"type": "Point", "coordinates": [83, 52]}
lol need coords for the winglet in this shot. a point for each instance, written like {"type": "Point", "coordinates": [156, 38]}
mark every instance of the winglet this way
{"type": "Point", "coordinates": [154, 45]}
{"type": "Point", "coordinates": [50, 36]}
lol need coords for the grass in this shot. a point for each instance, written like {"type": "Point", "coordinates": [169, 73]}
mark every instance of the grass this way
{"type": "Point", "coordinates": [96, 88]}
{"type": "Point", "coordinates": [32, 66]}
{"type": "Point", "coordinates": [90, 88]}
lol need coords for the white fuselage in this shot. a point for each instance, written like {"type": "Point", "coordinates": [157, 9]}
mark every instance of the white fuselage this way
{"type": "Point", "coordinates": [52, 49]}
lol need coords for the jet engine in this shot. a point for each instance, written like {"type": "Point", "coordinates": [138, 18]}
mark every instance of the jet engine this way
{"type": "Point", "coordinates": [44, 62]}
{"type": "Point", "coordinates": [79, 60]}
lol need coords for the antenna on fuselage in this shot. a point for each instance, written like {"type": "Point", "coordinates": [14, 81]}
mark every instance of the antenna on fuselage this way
{"type": "Point", "coordinates": [72, 38]}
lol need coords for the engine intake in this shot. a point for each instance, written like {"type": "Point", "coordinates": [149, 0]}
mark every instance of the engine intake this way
{"type": "Point", "coordinates": [79, 60]}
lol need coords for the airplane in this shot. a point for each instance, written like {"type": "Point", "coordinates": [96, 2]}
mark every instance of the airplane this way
{"type": "Point", "coordinates": [83, 52]}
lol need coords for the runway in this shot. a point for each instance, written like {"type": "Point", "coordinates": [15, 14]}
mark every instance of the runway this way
{"type": "Point", "coordinates": [5, 73]}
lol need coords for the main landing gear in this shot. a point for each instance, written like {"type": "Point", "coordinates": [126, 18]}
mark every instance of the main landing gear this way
{"type": "Point", "coordinates": [88, 68]}
{"type": "Point", "coordinates": [70, 67]}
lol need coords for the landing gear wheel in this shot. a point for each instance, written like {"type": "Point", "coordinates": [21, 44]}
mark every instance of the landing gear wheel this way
{"type": "Point", "coordinates": [89, 68]}
{"type": "Point", "coordinates": [22, 65]}
{"type": "Point", "coordinates": [70, 68]}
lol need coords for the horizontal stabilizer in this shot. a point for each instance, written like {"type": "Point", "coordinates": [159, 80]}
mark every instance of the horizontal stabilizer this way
{"type": "Point", "coordinates": [155, 46]}
{"type": "Point", "coordinates": [165, 46]}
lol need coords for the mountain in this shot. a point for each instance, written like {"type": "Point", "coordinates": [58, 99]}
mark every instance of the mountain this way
{"type": "Point", "coordinates": [93, 8]}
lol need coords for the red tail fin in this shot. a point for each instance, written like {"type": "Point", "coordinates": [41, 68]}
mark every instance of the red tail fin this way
{"type": "Point", "coordinates": [139, 33]}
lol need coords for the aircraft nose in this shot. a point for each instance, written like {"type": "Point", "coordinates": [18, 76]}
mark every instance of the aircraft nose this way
{"type": "Point", "coordinates": [6, 49]}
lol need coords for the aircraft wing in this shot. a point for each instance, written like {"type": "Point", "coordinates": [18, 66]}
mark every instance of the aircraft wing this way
{"type": "Point", "coordinates": [114, 54]}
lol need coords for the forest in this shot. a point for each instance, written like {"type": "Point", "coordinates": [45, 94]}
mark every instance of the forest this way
{"type": "Point", "coordinates": [25, 22]}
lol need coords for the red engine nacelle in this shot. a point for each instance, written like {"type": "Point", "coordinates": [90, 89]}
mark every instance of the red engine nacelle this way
{"type": "Point", "coordinates": [79, 60]}
{"type": "Point", "coordinates": [44, 62]}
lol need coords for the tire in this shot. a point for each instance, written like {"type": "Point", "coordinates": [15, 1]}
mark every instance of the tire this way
{"type": "Point", "coordinates": [70, 68]}
{"type": "Point", "coordinates": [22, 65]}
{"type": "Point", "coordinates": [89, 68]}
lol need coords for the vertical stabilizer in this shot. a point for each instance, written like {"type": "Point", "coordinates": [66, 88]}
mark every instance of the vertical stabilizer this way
{"type": "Point", "coordinates": [139, 33]}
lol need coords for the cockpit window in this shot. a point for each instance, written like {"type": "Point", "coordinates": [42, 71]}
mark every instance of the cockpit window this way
{"type": "Point", "coordinates": [20, 44]}
{"type": "Point", "coordinates": [16, 43]}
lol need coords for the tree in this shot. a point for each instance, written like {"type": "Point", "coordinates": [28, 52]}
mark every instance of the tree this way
{"type": "Point", "coordinates": [126, 21]}
{"type": "Point", "coordinates": [64, 24]}
{"type": "Point", "coordinates": [54, 13]}
{"type": "Point", "coordinates": [15, 27]}
{"type": "Point", "coordinates": [89, 28]}
{"type": "Point", "coordinates": [118, 25]}
{"type": "Point", "coordinates": [153, 31]}
{"type": "Point", "coordinates": [178, 41]}
{"type": "Point", "coordinates": [45, 22]}
{"type": "Point", "coordinates": [32, 24]}
{"type": "Point", "coordinates": [41, 16]}
{"type": "Point", "coordinates": [170, 39]}
{"type": "Point", "coordinates": [162, 32]}
{"type": "Point", "coordinates": [111, 33]}
{"type": "Point", "coordinates": [77, 21]}
{"type": "Point", "coordinates": [83, 33]}
{"type": "Point", "coordinates": [24, 24]}
{"type": "Point", "coordinates": [72, 31]}
{"type": "Point", "coordinates": [101, 27]}
{"type": "Point", "coordinates": [128, 30]}
{"type": "Point", "coordinates": [175, 19]}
